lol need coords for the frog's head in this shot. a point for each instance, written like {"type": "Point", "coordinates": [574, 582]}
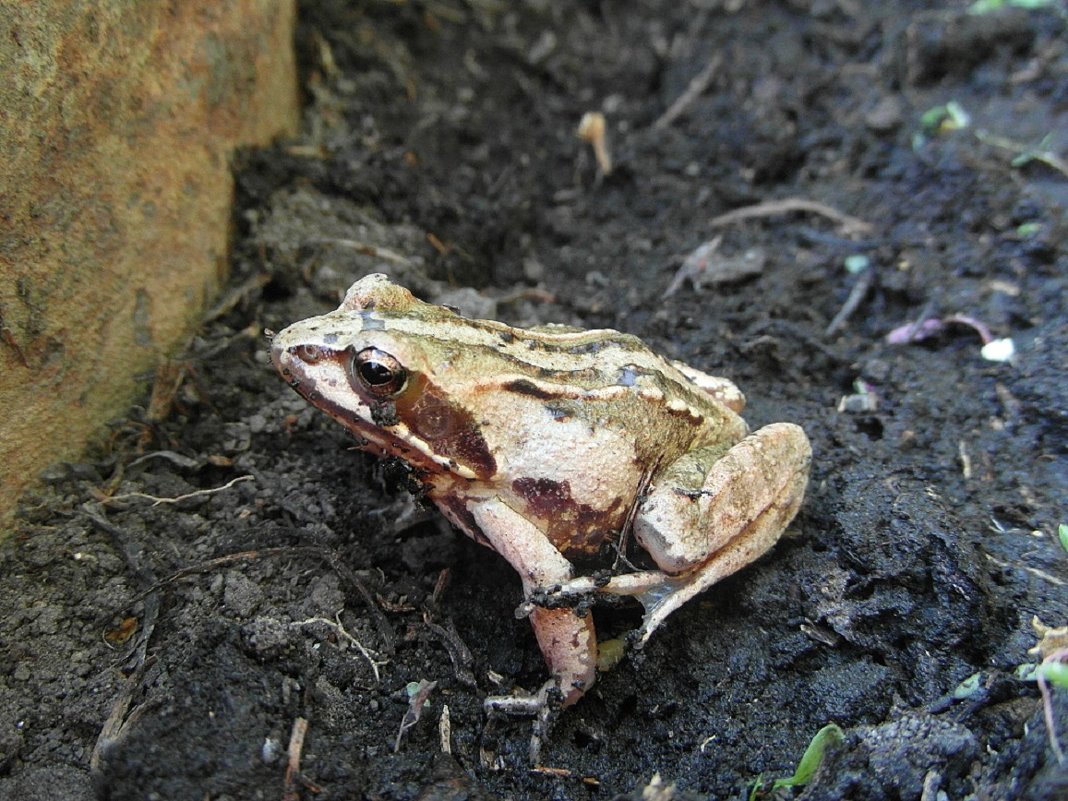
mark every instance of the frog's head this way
{"type": "Point", "coordinates": [381, 367]}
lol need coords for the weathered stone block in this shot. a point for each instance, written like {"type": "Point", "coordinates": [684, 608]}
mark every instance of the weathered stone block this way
{"type": "Point", "coordinates": [117, 120]}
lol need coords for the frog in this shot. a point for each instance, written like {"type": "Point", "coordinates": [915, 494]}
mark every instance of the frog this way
{"type": "Point", "coordinates": [555, 447]}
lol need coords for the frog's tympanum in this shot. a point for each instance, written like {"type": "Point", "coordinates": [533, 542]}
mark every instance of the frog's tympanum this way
{"type": "Point", "coordinates": [551, 446]}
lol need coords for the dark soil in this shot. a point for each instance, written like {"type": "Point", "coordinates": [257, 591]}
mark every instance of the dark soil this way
{"type": "Point", "coordinates": [440, 146]}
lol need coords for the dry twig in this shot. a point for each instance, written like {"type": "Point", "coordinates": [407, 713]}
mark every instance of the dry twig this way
{"type": "Point", "coordinates": [705, 266]}
{"type": "Point", "coordinates": [445, 730]}
{"type": "Point", "coordinates": [458, 651]}
{"type": "Point", "coordinates": [856, 297]}
{"type": "Point", "coordinates": [117, 727]}
{"type": "Point", "coordinates": [296, 745]}
{"type": "Point", "coordinates": [144, 576]}
{"type": "Point", "coordinates": [365, 249]}
{"type": "Point", "coordinates": [698, 84]}
{"type": "Point", "coordinates": [122, 717]}
{"type": "Point", "coordinates": [772, 208]}
{"type": "Point", "coordinates": [236, 296]}
{"type": "Point", "coordinates": [1034, 571]}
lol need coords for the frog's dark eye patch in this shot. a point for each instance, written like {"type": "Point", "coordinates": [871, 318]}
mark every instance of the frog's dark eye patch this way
{"type": "Point", "coordinates": [377, 372]}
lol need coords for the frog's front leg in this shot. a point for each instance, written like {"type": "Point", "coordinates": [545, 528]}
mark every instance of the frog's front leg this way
{"type": "Point", "coordinates": [567, 641]}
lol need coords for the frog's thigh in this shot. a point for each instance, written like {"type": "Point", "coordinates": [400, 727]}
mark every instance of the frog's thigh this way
{"type": "Point", "coordinates": [568, 642]}
{"type": "Point", "coordinates": [719, 511]}
{"type": "Point", "coordinates": [748, 496]}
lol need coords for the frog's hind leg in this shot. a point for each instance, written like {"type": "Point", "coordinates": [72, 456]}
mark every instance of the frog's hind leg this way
{"type": "Point", "coordinates": [711, 513]}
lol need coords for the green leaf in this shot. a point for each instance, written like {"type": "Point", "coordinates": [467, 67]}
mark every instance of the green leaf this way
{"type": "Point", "coordinates": [1026, 671]}
{"type": "Point", "coordinates": [943, 119]}
{"type": "Point", "coordinates": [932, 118]}
{"type": "Point", "coordinates": [827, 737]}
{"type": "Point", "coordinates": [988, 6]}
{"type": "Point", "coordinates": [968, 687]}
{"type": "Point", "coordinates": [857, 263]}
{"type": "Point", "coordinates": [1056, 673]}
{"type": "Point", "coordinates": [754, 791]}
{"type": "Point", "coordinates": [1062, 535]}
{"type": "Point", "coordinates": [956, 117]}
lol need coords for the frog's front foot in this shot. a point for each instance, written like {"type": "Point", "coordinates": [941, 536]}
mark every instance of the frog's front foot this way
{"type": "Point", "coordinates": [569, 645]}
{"type": "Point", "coordinates": [544, 706]}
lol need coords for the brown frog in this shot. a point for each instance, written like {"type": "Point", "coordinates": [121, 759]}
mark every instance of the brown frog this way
{"type": "Point", "coordinates": [545, 445]}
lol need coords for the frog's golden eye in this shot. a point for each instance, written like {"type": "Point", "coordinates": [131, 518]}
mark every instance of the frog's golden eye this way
{"type": "Point", "coordinates": [378, 372]}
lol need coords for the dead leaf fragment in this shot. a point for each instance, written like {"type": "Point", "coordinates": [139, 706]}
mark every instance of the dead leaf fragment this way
{"type": "Point", "coordinates": [704, 266]}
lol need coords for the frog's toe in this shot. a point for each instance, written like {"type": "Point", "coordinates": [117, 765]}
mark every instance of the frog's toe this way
{"type": "Point", "coordinates": [658, 600]}
{"type": "Point", "coordinates": [544, 706]}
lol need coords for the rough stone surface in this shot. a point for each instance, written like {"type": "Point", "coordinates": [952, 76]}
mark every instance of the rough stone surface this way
{"type": "Point", "coordinates": [116, 125]}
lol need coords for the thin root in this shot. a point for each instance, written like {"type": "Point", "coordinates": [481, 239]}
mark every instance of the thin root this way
{"type": "Point", "coordinates": [343, 633]}
{"type": "Point", "coordinates": [156, 501]}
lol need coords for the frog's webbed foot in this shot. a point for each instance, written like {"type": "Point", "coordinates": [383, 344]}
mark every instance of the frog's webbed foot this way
{"type": "Point", "coordinates": [544, 706]}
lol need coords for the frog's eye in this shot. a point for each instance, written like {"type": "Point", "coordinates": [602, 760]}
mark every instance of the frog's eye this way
{"type": "Point", "coordinates": [378, 372]}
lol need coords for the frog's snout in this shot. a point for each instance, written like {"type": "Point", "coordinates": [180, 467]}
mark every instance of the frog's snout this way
{"type": "Point", "coordinates": [288, 358]}
{"type": "Point", "coordinates": [278, 354]}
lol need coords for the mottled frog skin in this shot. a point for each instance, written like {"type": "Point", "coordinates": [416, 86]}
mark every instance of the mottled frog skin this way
{"type": "Point", "coordinates": [546, 444]}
